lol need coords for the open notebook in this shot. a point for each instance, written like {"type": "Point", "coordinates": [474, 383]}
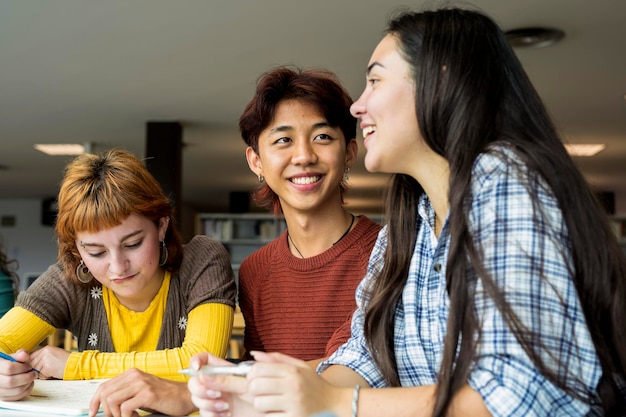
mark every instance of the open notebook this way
{"type": "Point", "coordinates": [53, 396]}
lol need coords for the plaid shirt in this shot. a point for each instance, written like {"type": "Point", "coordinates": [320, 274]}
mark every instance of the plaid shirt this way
{"type": "Point", "coordinates": [513, 240]}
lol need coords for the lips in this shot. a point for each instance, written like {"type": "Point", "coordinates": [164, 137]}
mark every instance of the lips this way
{"type": "Point", "coordinates": [368, 130]}
{"type": "Point", "coordinates": [306, 180]}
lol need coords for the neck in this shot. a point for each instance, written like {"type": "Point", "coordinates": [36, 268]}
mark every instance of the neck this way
{"type": "Point", "coordinates": [312, 238]}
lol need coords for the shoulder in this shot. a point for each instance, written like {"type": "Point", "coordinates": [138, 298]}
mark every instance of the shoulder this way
{"type": "Point", "coordinates": [201, 245]}
{"type": "Point", "coordinates": [265, 254]}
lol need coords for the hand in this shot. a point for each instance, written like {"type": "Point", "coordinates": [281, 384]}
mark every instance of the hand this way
{"type": "Point", "coordinates": [51, 361]}
{"type": "Point", "coordinates": [16, 378]}
{"type": "Point", "coordinates": [217, 396]}
{"type": "Point", "coordinates": [134, 389]}
{"type": "Point", "coordinates": [287, 386]}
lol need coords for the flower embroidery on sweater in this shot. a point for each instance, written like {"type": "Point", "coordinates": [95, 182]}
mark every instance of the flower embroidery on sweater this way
{"type": "Point", "coordinates": [182, 323]}
{"type": "Point", "coordinates": [93, 339]}
{"type": "Point", "coordinates": [96, 293]}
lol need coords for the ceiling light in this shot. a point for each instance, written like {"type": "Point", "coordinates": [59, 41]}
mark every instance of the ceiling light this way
{"type": "Point", "coordinates": [584, 149]}
{"type": "Point", "coordinates": [534, 37]}
{"type": "Point", "coordinates": [61, 148]}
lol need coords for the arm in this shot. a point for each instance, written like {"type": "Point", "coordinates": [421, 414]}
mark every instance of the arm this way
{"type": "Point", "coordinates": [279, 383]}
{"type": "Point", "coordinates": [21, 329]}
{"type": "Point", "coordinates": [526, 254]}
{"type": "Point", "coordinates": [208, 329]}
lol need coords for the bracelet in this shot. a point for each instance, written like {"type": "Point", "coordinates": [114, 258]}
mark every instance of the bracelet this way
{"type": "Point", "coordinates": [355, 400]}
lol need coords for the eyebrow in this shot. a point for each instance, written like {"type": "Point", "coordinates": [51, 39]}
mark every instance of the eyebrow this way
{"type": "Point", "coordinates": [372, 65]}
{"type": "Point", "coordinates": [287, 128]}
{"type": "Point", "coordinates": [99, 245]}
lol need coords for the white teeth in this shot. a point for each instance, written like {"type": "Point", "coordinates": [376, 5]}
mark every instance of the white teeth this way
{"type": "Point", "coordinates": [368, 130]}
{"type": "Point", "coordinates": [305, 180]}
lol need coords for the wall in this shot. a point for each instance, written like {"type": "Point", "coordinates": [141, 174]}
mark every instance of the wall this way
{"type": "Point", "coordinates": [31, 243]}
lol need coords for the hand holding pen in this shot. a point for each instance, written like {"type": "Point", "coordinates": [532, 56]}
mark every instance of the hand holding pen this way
{"type": "Point", "coordinates": [12, 359]}
{"type": "Point", "coordinates": [16, 376]}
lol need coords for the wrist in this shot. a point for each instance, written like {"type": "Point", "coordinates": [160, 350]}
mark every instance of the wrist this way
{"type": "Point", "coordinates": [342, 405]}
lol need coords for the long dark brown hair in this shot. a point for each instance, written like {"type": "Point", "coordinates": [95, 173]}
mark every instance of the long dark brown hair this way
{"type": "Point", "coordinates": [481, 97]}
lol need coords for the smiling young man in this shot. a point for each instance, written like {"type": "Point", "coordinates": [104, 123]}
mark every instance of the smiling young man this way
{"type": "Point", "coordinates": [297, 292]}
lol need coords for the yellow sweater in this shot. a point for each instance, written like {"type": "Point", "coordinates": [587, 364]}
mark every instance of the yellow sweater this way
{"type": "Point", "coordinates": [135, 338]}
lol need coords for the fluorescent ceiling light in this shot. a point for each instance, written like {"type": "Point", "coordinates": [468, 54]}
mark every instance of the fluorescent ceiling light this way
{"type": "Point", "coordinates": [584, 149]}
{"type": "Point", "coordinates": [61, 148]}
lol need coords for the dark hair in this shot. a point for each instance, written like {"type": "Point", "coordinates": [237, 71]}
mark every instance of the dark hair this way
{"type": "Point", "coordinates": [317, 87]}
{"type": "Point", "coordinates": [8, 268]}
{"type": "Point", "coordinates": [471, 92]}
{"type": "Point", "coordinates": [101, 191]}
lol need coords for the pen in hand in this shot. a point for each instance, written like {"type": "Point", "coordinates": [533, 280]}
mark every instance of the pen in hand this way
{"type": "Point", "coordinates": [240, 369]}
{"type": "Point", "coordinates": [12, 359]}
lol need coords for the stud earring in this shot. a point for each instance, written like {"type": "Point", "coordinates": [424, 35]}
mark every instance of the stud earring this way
{"type": "Point", "coordinates": [261, 178]}
{"type": "Point", "coordinates": [346, 174]}
{"type": "Point", "coordinates": [164, 254]}
{"type": "Point", "coordinates": [83, 274]}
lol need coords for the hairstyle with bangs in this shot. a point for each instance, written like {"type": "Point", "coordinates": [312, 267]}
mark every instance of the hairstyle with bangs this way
{"type": "Point", "coordinates": [99, 192]}
{"type": "Point", "coordinates": [316, 87]}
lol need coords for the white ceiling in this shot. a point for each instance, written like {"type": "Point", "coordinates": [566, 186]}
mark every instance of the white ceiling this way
{"type": "Point", "coordinates": [87, 71]}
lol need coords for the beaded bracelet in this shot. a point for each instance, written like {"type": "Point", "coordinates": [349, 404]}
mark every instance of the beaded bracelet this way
{"type": "Point", "coordinates": [355, 400]}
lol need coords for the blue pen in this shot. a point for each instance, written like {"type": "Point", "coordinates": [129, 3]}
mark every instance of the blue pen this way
{"type": "Point", "coordinates": [12, 359]}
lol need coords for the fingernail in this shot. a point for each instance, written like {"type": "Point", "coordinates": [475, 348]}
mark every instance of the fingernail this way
{"type": "Point", "coordinates": [213, 394]}
{"type": "Point", "coordinates": [222, 406]}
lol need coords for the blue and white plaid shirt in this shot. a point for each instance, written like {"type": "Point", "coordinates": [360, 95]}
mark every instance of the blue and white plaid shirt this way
{"type": "Point", "coordinates": [503, 224]}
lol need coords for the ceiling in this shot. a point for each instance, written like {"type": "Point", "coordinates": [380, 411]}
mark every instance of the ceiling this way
{"type": "Point", "coordinates": [97, 72]}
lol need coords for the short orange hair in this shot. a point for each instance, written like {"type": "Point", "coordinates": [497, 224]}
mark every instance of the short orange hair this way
{"type": "Point", "coordinates": [99, 192]}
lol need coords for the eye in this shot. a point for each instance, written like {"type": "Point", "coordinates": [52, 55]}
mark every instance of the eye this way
{"type": "Point", "coordinates": [282, 140]}
{"type": "Point", "coordinates": [323, 136]}
{"type": "Point", "coordinates": [96, 254]}
{"type": "Point", "coordinates": [372, 80]}
{"type": "Point", "coordinates": [133, 245]}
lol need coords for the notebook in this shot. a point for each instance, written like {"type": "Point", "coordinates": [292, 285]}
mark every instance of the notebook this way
{"type": "Point", "coordinates": [57, 397]}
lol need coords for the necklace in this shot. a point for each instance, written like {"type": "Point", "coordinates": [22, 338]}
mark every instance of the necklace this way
{"type": "Point", "coordinates": [337, 241]}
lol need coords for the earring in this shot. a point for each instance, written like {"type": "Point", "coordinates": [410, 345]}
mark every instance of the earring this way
{"type": "Point", "coordinates": [346, 174]}
{"type": "Point", "coordinates": [83, 274]}
{"type": "Point", "coordinates": [164, 254]}
{"type": "Point", "coordinates": [261, 178]}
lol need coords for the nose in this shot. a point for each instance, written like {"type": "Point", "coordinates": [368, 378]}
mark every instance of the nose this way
{"type": "Point", "coordinates": [119, 263]}
{"type": "Point", "coordinates": [303, 153]}
{"type": "Point", "coordinates": [357, 109]}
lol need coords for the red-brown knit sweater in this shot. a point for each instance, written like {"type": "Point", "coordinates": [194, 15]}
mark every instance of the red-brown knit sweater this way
{"type": "Point", "coordinates": [303, 307]}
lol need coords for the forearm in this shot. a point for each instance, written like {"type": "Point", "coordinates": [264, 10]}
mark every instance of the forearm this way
{"type": "Point", "coordinates": [409, 402]}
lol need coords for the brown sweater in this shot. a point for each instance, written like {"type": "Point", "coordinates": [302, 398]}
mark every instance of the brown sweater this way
{"type": "Point", "coordinates": [205, 276]}
{"type": "Point", "coordinates": [303, 307]}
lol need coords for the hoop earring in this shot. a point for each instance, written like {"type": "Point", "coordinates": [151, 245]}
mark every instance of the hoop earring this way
{"type": "Point", "coordinates": [346, 174]}
{"type": "Point", "coordinates": [83, 274]}
{"type": "Point", "coordinates": [164, 254]}
{"type": "Point", "coordinates": [261, 178]}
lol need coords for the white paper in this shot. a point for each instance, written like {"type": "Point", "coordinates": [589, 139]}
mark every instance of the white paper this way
{"type": "Point", "coordinates": [54, 396]}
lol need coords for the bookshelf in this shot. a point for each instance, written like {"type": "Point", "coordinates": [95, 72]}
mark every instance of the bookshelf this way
{"type": "Point", "coordinates": [241, 234]}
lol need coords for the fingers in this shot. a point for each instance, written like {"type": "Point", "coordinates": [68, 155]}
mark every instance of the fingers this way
{"type": "Point", "coordinates": [205, 358]}
{"type": "Point", "coordinates": [276, 357]}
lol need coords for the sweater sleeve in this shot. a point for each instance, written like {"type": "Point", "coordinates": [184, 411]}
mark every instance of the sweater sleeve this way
{"type": "Point", "coordinates": [341, 336]}
{"type": "Point", "coordinates": [21, 329]}
{"type": "Point", "coordinates": [209, 329]}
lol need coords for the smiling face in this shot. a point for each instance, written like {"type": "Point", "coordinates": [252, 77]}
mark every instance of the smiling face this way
{"type": "Point", "coordinates": [125, 258]}
{"type": "Point", "coordinates": [302, 158]}
{"type": "Point", "coordinates": [386, 110]}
